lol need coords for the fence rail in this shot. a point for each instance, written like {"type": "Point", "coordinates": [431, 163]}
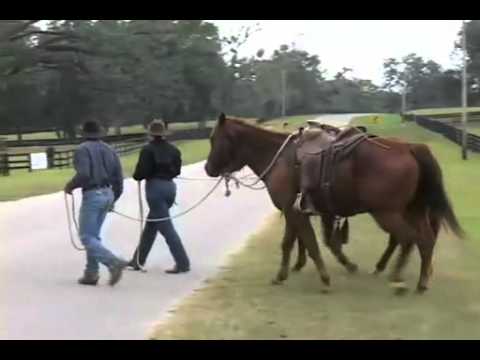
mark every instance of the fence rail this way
{"type": "Point", "coordinates": [187, 134]}
{"type": "Point", "coordinates": [450, 132]}
{"type": "Point", "coordinates": [123, 145]}
{"type": "Point", "coordinates": [59, 159]}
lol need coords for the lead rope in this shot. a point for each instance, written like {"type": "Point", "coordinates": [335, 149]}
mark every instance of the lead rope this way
{"type": "Point", "coordinates": [198, 203]}
{"type": "Point", "coordinates": [141, 216]}
{"type": "Point", "coordinates": [251, 186]}
{"type": "Point", "coordinates": [71, 215]}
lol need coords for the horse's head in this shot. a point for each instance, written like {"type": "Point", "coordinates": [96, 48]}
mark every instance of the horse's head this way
{"type": "Point", "coordinates": [224, 156]}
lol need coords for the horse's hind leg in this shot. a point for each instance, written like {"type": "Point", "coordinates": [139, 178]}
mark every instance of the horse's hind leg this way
{"type": "Point", "coordinates": [301, 255]}
{"type": "Point", "coordinates": [406, 235]}
{"type": "Point", "coordinates": [335, 246]}
{"type": "Point", "coordinates": [382, 263]}
{"type": "Point", "coordinates": [425, 246]}
{"type": "Point", "coordinates": [396, 278]}
{"type": "Point", "coordinates": [287, 245]}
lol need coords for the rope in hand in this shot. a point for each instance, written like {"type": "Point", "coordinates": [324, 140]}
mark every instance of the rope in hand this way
{"type": "Point", "coordinates": [70, 216]}
{"type": "Point", "coordinates": [198, 203]}
{"type": "Point", "coordinates": [238, 181]}
{"type": "Point", "coordinates": [141, 212]}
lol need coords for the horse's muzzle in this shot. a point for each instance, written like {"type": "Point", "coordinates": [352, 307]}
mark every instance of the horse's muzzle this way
{"type": "Point", "coordinates": [210, 172]}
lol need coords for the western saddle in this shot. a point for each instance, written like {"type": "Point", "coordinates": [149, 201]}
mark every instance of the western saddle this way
{"type": "Point", "coordinates": [319, 149]}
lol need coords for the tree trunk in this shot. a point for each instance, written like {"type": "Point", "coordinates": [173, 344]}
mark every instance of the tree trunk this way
{"type": "Point", "coordinates": [19, 133]}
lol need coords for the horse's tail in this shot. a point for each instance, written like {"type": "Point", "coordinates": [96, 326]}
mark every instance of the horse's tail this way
{"type": "Point", "coordinates": [431, 191]}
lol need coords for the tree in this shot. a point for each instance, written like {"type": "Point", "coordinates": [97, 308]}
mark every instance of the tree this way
{"type": "Point", "coordinates": [425, 83]}
{"type": "Point", "coordinates": [473, 60]}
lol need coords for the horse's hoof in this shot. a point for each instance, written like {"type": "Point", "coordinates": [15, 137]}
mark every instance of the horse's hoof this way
{"type": "Point", "coordinates": [325, 290]}
{"type": "Point", "coordinates": [400, 291]}
{"type": "Point", "coordinates": [376, 272]}
{"type": "Point", "coordinates": [325, 280]}
{"type": "Point", "coordinates": [400, 288]}
{"type": "Point", "coordinates": [352, 268]}
{"type": "Point", "coordinates": [297, 268]}
{"type": "Point", "coordinates": [421, 289]}
{"type": "Point", "coordinates": [277, 282]}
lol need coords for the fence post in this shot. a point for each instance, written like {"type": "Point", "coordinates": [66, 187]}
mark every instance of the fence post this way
{"type": "Point", "coordinates": [4, 170]}
{"type": "Point", "coordinates": [51, 157]}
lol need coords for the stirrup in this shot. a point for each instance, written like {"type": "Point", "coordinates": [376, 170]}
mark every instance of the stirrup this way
{"type": "Point", "coordinates": [299, 205]}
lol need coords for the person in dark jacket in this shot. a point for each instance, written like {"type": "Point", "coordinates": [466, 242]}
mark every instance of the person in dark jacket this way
{"type": "Point", "coordinates": [99, 175]}
{"type": "Point", "coordinates": [158, 164]}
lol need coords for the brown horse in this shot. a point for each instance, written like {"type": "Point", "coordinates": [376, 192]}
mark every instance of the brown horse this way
{"type": "Point", "coordinates": [408, 176]}
{"type": "Point", "coordinates": [434, 218]}
{"type": "Point", "coordinates": [235, 144]}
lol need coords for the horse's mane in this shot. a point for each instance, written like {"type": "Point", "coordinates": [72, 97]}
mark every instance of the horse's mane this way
{"type": "Point", "coordinates": [261, 130]}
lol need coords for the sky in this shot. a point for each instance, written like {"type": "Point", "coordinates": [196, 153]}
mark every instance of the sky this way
{"type": "Point", "coordinates": [362, 45]}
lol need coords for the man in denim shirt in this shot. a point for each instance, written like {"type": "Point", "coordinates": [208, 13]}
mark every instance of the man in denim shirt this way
{"type": "Point", "coordinates": [99, 175]}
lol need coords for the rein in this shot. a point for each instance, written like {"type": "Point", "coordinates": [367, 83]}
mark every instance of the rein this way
{"type": "Point", "coordinates": [265, 172]}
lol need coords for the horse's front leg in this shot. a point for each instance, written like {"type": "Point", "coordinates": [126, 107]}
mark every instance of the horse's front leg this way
{"type": "Point", "coordinates": [301, 255]}
{"type": "Point", "coordinates": [287, 245]}
{"type": "Point", "coordinates": [335, 245]}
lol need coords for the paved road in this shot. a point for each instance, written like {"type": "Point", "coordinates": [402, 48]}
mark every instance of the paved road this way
{"type": "Point", "coordinates": [39, 268]}
{"type": "Point", "coordinates": [40, 297]}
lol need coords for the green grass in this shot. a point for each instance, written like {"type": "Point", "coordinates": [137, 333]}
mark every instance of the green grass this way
{"type": "Point", "coordinates": [460, 176]}
{"type": "Point", "coordinates": [474, 127]}
{"type": "Point", "coordinates": [126, 130]}
{"type": "Point", "coordinates": [443, 111]}
{"type": "Point", "coordinates": [240, 303]}
{"type": "Point", "coordinates": [34, 136]}
{"type": "Point", "coordinates": [21, 184]}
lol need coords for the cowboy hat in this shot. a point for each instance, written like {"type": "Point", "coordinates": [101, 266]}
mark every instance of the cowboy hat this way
{"type": "Point", "coordinates": [157, 128]}
{"type": "Point", "coordinates": [92, 129]}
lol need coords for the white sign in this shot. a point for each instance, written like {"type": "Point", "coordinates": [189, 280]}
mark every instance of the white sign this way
{"type": "Point", "coordinates": [38, 161]}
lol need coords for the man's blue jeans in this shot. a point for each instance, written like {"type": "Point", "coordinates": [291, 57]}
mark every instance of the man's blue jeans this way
{"type": "Point", "coordinates": [94, 209]}
{"type": "Point", "coordinates": [160, 197]}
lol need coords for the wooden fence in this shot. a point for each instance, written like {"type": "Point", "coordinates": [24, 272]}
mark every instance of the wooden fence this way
{"type": "Point", "coordinates": [57, 159]}
{"type": "Point", "coordinates": [123, 144]}
{"type": "Point", "coordinates": [450, 132]}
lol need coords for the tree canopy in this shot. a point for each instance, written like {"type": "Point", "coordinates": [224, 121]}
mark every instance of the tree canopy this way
{"type": "Point", "coordinates": [59, 73]}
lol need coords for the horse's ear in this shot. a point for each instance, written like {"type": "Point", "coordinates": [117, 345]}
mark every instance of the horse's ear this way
{"type": "Point", "coordinates": [221, 119]}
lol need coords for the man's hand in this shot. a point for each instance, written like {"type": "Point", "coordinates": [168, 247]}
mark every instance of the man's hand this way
{"type": "Point", "coordinates": [68, 189]}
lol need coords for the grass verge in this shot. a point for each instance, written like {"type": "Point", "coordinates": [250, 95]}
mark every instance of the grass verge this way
{"type": "Point", "coordinates": [21, 184]}
{"type": "Point", "coordinates": [240, 303]}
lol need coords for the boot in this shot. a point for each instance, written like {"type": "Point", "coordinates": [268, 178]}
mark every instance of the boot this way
{"type": "Point", "coordinates": [89, 279]}
{"type": "Point", "coordinates": [116, 271]}
{"type": "Point", "coordinates": [133, 266]}
{"type": "Point", "coordinates": [177, 270]}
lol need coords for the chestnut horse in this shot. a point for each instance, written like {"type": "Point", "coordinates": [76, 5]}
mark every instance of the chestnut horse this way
{"type": "Point", "coordinates": [411, 181]}
{"type": "Point", "coordinates": [235, 144]}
